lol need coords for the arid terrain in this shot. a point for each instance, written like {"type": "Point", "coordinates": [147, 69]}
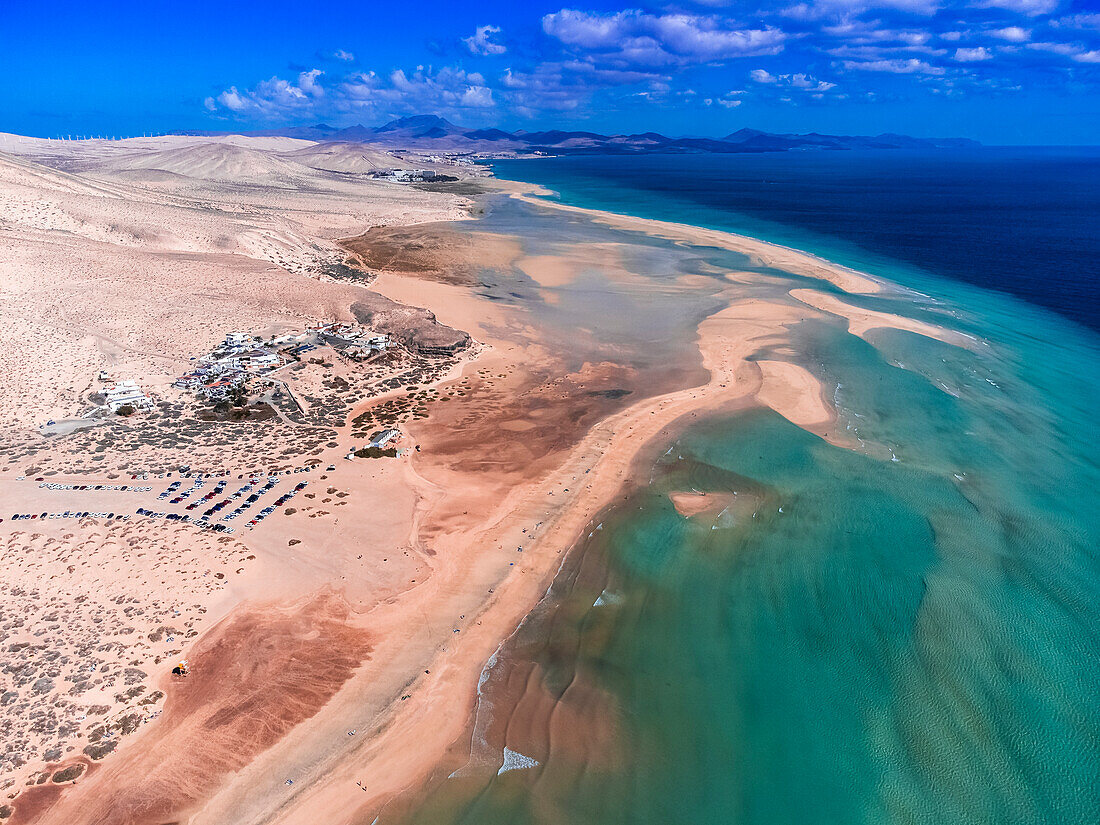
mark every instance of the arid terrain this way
{"type": "Point", "coordinates": [356, 615]}
{"type": "Point", "coordinates": [132, 258]}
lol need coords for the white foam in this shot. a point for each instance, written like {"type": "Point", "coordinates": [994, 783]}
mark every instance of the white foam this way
{"type": "Point", "coordinates": [516, 761]}
{"type": "Point", "coordinates": [606, 597]}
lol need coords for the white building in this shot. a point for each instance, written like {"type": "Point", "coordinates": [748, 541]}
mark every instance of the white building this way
{"type": "Point", "coordinates": [381, 439]}
{"type": "Point", "coordinates": [126, 394]}
{"type": "Point", "coordinates": [239, 339]}
{"type": "Point", "coordinates": [190, 381]}
{"type": "Point", "coordinates": [259, 358]}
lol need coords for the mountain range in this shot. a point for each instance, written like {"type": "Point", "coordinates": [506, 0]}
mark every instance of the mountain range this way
{"type": "Point", "coordinates": [431, 132]}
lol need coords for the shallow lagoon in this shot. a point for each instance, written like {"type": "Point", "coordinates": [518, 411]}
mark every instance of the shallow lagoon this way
{"type": "Point", "coordinates": [905, 632]}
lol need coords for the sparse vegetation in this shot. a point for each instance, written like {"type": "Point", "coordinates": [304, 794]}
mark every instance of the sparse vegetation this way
{"type": "Point", "coordinates": [376, 452]}
{"type": "Point", "coordinates": [68, 774]}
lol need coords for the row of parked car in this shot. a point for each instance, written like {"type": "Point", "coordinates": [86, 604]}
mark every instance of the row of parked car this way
{"type": "Point", "coordinates": [189, 491]}
{"type": "Point", "coordinates": [175, 485]}
{"type": "Point", "coordinates": [279, 502]}
{"type": "Point", "coordinates": [66, 514]}
{"type": "Point", "coordinates": [252, 499]}
{"type": "Point", "coordinates": [251, 488]}
{"type": "Point", "coordinates": [218, 488]}
{"type": "Point", "coordinates": [185, 472]}
{"type": "Point", "coordinates": [219, 528]}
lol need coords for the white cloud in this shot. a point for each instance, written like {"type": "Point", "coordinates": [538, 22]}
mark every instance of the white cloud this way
{"type": "Point", "coordinates": [307, 82]}
{"type": "Point", "coordinates": [730, 100]}
{"type": "Point", "coordinates": [449, 90]}
{"type": "Point", "coordinates": [1029, 7]}
{"type": "Point", "coordinates": [880, 52]}
{"type": "Point", "coordinates": [481, 41]}
{"type": "Point", "coordinates": [913, 38]}
{"type": "Point", "coordinates": [232, 100]}
{"type": "Point", "coordinates": [1064, 49]}
{"type": "Point", "coordinates": [589, 59]}
{"type": "Point", "coordinates": [272, 97]}
{"type": "Point", "coordinates": [911, 66]}
{"type": "Point", "coordinates": [804, 81]}
{"type": "Point", "coordinates": [547, 88]}
{"type": "Point", "coordinates": [845, 9]}
{"type": "Point", "coordinates": [800, 80]}
{"type": "Point", "coordinates": [478, 97]}
{"type": "Point", "coordinates": [868, 39]}
{"type": "Point", "coordinates": [973, 55]}
{"type": "Point", "coordinates": [1075, 52]}
{"type": "Point", "coordinates": [1013, 34]}
{"type": "Point", "coordinates": [1078, 21]}
{"type": "Point", "coordinates": [854, 30]}
{"type": "Point", "coordinates": [635, 37]}
{"type": "Point", "coordinates": [605, 76]}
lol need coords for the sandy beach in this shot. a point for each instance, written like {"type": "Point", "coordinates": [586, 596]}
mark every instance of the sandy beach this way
{"type": "Point", "coordinates": [768, 254]}
{"type": "Point", "coordinates": [360, 617]}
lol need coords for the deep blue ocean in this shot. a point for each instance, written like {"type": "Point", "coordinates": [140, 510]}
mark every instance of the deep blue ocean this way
{"type": "Point", "coordinates": [1020, 220]}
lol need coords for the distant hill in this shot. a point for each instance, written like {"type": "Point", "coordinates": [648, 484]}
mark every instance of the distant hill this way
{"type": "Point", "coordinates": [212, 161]}
{"type": "Point", "coordinates": [433, 133]}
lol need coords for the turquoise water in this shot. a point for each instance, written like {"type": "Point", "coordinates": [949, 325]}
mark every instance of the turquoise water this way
{"type": "Point", "coordinates": [903, 633]}
{"type": "Point", "coordinates": [1021, 220]}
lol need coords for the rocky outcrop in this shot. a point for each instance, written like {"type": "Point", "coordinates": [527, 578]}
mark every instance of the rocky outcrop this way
{"type": "Point", "coordinates": [414, 327]}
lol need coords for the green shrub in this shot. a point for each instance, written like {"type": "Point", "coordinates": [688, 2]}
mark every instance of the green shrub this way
{"type": "Point", "coordinates": [376, 452]}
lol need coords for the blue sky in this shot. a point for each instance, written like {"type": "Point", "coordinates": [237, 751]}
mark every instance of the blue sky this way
{"type": "Point", "coordinates": [1001, 71]}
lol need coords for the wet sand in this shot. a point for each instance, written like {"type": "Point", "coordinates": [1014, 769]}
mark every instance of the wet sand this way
{"type": "Point", "coordinates": [691, 504]}
{"type": "Point", "coordinates": [372, 631]}
{"type": "Point", "coordinates": [438, 711]}
{"type": "Point", "coordinates": [769, 254]}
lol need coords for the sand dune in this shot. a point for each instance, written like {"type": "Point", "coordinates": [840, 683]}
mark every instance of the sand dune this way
{"type": "Point", "coordinates": [133, 257]}
{"type": "Point", "coordinates": [351, 158]}
{"type": "Point", "coordinates": [264, 672]}
{"type": "Point", "coordinates": [24, 174]}
{"type": "Point", "coordinates": [76, 153]}
{"type": "Point", "coordinates": [220, 162]}
{"type": "Point", "coordinates": [173, 266]}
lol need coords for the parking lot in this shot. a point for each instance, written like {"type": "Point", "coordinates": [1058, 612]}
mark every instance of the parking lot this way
{"type": "Point", "coordinates": [203, 500]}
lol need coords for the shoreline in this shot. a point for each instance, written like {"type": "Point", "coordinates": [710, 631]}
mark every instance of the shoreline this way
{"type": "Point", "coordinates": [434, 711]}
{"type": "Point", "coordinates": [735, 384]}
{"type": "Point", "coordinates": [770, 253]}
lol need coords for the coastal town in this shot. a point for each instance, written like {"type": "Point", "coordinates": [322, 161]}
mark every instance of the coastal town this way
{"type": "Point", "coordinates": [244, 361]}
{"type": "Point", "coordinates": [309, 380]}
